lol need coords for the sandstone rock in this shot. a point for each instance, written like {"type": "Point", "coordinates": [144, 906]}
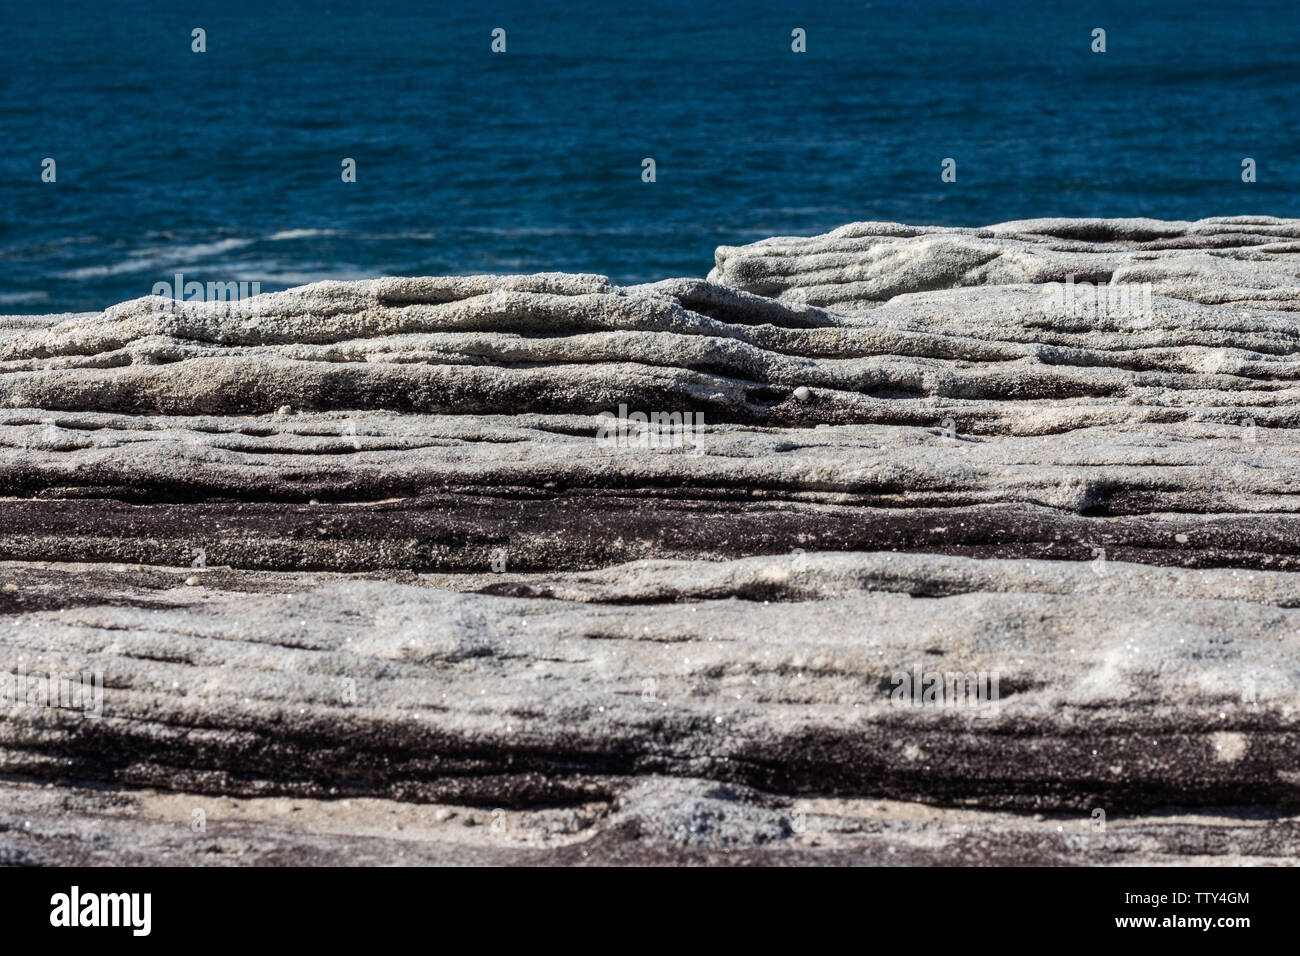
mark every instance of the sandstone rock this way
{"type": "Point", "coordinates": [380, 548]}
{"type": "Point", "coordinates": [1236, 261]}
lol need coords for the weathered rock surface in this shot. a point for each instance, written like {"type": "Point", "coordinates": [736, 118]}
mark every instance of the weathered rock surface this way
{"type": "Point", "coordinates": [658, 820]}
{"type": "Point", "coordinates": [1127, 689]}
{"type": "Point", "coordinates": [371, 551]}
{"type": "Point", "coordinates": [1231, 261]}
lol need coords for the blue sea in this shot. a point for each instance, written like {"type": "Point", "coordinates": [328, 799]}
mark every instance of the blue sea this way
{"type": "Point", "coordinates": [226, 165]}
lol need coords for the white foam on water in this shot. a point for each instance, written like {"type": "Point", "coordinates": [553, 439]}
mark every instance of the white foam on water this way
{"type": "Point", "coordinates": [159, 259]}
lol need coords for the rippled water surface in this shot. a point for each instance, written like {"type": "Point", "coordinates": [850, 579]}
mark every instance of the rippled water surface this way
{"type": "Point", "coordinates": [225, 165]}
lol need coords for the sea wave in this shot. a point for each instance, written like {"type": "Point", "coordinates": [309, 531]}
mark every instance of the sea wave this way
{"type": "Point", "coordinates": [301, 234]}
{"type": "Point", "coordinates": [158, 258]}
{"type": "Point", "coordinates": [22, 298]}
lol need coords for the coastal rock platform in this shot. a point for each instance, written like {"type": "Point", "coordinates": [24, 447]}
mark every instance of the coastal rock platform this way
{"type": "Point", "coordinates": [541, 569]}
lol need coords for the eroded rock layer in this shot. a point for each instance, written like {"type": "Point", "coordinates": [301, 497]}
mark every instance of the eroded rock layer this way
{"type": "Point", "coordinates": [638, 569]}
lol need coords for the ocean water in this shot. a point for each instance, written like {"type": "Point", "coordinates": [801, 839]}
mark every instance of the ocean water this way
{"type": "Point", "coordinates": [225, 165]}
